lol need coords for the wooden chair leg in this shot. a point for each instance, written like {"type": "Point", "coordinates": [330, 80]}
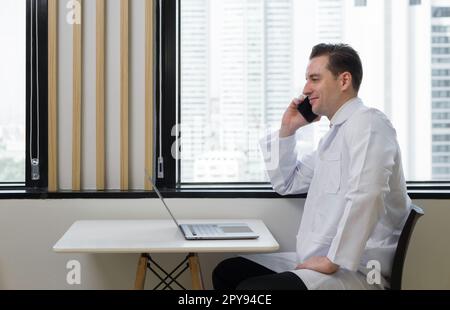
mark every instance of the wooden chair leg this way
{"type": "Point", "coordinates": [141, 272]}
{"type": "Point", "coordinates": [196, 274]}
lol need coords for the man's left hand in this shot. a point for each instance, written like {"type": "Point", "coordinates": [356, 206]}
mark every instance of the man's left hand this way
{"type": "Point", "coordinates": [320, 264]}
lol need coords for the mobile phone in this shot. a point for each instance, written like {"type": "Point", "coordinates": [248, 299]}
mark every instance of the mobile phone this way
{"type": "Point", "coordinates": [305, 109]}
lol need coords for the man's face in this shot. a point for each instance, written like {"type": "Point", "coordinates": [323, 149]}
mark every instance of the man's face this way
{"type": "Point", "coordinates": [322, 87]}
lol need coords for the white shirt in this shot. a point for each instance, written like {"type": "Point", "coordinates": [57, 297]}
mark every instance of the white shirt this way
{"type": "Point", "coordinates": [357, 201]}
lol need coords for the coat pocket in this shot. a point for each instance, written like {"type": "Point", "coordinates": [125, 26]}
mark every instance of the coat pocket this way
{"type": "Point", "coordinates": [331, 172]}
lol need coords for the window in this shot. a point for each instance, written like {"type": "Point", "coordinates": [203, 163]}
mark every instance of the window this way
{"type": "Point", "coordinates": [241, 62]}
{"type": "Point", "coordinates": [23, 92]}
{"type": "Point", "coordinates": [441, 51]}
{"type": "Point", "coordinates": [442, 39]}
{"type": "Point", "coordinates": [13, 91]}
{"type": "Point", "coordinates": [439, 12]}
{"type": "Point", "coordinates": [440, 28]}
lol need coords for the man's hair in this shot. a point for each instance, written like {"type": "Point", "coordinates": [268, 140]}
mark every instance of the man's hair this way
{"type": "Point", "coordinates": [342, 58]}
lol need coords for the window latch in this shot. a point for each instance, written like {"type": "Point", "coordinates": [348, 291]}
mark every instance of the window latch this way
{"type": "Point", "coordinates": [160, 167]}
{"type": "Point", "coordinates": [35, 175]}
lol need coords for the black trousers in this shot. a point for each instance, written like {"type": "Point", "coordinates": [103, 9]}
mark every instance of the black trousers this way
{"type": "Point", "coordinates": [239, 273]}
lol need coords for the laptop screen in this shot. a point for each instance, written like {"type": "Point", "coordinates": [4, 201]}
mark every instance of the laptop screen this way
{"type": "Point", "coordinates": [162, 199]}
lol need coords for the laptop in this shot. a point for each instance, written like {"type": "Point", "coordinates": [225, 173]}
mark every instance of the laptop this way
{"type": "Point", "coordinates": [213, 231]}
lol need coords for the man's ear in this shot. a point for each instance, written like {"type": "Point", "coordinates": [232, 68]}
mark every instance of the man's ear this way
{"type": "Point", "coordinates": [346, 81]}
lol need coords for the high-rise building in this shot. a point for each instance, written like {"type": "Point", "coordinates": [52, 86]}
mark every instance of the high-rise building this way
{"type": "Point", "coordinates": [279, 72]}
{"type": "Point", "coordinates": [393, 40]}
{"type": "Point", "coordinates": [330, 29]}
{"type": "Point", "coordinates": [227, 102]}
{"type": "Point", "coordinates": [440, 53]}
{"type": "Point", "coordinates": [256, 75]}
{"type": "Point", "coordinates": [13, 100]}
{"type": "Point", "coordinates": [195, 86]}
{"type": "Point", "coordinates": [244, 60]}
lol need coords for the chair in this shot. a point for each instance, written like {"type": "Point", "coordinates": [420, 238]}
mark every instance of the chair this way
{"type": "Point", "coordinates": [402, 247]}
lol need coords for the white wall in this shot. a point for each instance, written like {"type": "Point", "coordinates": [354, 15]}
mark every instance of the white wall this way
{"type": "Point", "coordinates": [30, 228]}
{"type": "Point", "coordinates": [112, 96]}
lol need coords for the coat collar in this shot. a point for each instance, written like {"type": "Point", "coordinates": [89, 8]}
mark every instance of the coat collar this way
{"type": "Point", "coordinates": [346, 111]}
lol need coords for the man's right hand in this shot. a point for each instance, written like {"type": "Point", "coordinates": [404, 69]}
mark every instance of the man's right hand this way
{"type": "Point", "coordinates": [292, 119]}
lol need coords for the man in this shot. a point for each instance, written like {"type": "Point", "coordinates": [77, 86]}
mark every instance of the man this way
{"type": "Point", "coordinates": [357, 201]}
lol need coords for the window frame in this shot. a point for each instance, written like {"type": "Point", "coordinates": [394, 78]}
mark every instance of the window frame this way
{"type": "Point", "coordinates": [170, 99]}
{"type": "Point", "coordinates": [41, 117]}
{"type": "Point", "coordinates": [166, 94]}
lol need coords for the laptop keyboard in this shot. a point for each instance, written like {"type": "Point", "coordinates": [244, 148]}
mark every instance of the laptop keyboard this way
{"type": "Point", "coordinates": [208, 230]}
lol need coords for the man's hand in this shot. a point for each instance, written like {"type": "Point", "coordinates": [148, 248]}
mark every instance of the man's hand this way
{"type": "Point", "coordinates": [320, 264]}
{"type": "Point", "coordinates": [292, 119]}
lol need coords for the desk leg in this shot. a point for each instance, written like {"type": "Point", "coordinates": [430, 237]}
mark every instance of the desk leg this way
{"type": "Point", "coordinates": [141, 272]}
{"type": "Point", "coordinates": [196, 274]}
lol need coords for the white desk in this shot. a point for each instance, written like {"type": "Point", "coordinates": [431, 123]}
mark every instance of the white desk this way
{"type": "Point", "coordinates": [157, 236]}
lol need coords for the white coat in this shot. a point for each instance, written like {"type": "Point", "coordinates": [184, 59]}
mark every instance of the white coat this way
{"type": "Point", "coordinates": [357, 201]}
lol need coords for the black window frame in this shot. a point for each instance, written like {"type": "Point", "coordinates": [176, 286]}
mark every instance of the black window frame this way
{"type": "Point", "coordinates": [39, 118]}
{"type": "Point", "coordinates": [166, 67]}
